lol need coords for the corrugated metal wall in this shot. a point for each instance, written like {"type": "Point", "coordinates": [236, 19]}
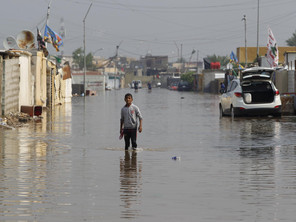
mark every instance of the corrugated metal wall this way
{"type": "Point", "coordinates": [43, 93]}
{"type": "Point", "coordinates": [51, 87]}
{"type": "Point", "coordinates": [11, 81]}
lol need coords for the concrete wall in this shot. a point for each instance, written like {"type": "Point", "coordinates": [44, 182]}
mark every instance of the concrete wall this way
{"type": "Point", "coordinates": [26, 82]}
{"type": "Point", "coordinates": [68, 90]}
{"type": "Point", "coordinates": [57, 89]}
{"type": "Point", "coordinates": [113, 82]}
{"type": "Point", "coordinates": [39, 73]}
{"type": "Point", "coordinates": [129, 77]}
{"type": "Point", "coordinates": [252, 53]}
{"type": "Point", "coordinates": [93, 80]}
{"type": "Point", "coordinates": [291, 81]}
{"type": "Point", "coordinates": [1, 76]}
{"type": "Point", "coordinates": [290, 58]}
{"type": "Point", "coordinates": [210, 84]}
{"type": "Point", "coordinates": [281, 81]}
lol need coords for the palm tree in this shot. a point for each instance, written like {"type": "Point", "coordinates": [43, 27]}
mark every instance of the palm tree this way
{"type": "Point", "coordinates": [292, 41]}
{"type": "Point", "coordinates": [222, 59]}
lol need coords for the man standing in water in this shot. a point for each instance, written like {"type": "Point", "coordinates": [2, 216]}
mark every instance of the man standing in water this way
{"type": "Point", "coordinates": [130, 114]}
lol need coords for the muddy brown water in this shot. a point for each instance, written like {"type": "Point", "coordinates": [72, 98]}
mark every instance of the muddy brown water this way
{"type": "Point", "coordinates": [71, 166]}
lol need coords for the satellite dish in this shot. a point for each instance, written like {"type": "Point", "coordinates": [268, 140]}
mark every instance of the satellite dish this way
{"type": "Point", "coordinates": [25, 40]}
{"type": "Point", "coordinates": [9, 43]}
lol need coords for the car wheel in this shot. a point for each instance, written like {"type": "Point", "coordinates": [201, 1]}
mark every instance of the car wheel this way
{"type": "Point", "coordinates": [232, 112]}
{"type": "Point", "coordinates": [221, 111]}
{"type": "Point", "coordinates": [277, 114]}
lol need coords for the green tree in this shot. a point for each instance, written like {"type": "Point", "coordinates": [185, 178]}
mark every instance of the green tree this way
{"type": "Point", "coordinates": [222, 59]}
{"type": "Point", "coordinates": [78, 59]}
{"type": "Point", "coordinates": [188, 77]}
{"type": "Point", "coordinates": [180, 60]}
{"type": "Point", "coordinates": [292, 41]}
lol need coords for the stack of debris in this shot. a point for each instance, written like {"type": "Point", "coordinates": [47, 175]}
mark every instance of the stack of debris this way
{"type": "Point", "coordinates": [13, 120]}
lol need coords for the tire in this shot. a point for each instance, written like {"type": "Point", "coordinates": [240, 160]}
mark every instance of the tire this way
{"type": "Point", "coordinates": [221, 111]}
{"type": "Point", "coordinates": [277, 115]}
{"type": "Point", "coordinates": [232, 114]}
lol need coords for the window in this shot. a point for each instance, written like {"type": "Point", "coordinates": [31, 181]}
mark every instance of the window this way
{"type": "Point", "coordinates": [233, 85]}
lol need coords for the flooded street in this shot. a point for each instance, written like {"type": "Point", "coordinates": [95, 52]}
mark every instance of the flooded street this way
{"type": "Point", "coordinates": [73, 167]}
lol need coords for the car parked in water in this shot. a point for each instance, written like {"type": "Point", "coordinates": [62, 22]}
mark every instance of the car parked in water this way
{"type": "Point", "coordinates": [184, 86]}
{"type": "Point", "coordinates": [174, 86]}
{"type": "Point", "coordinates": [254, 93]}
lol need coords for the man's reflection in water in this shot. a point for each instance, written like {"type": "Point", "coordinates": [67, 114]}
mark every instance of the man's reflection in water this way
{"type": "Point", "coordinates": [130, 184]}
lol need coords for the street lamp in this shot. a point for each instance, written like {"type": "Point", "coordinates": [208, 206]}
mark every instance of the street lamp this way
{"type": "Point", "coordinates": [193, 51]}
{"type": "Point", "coordinates": [97, 50]}
{"type": "Point", "coordinates": [84, 49]}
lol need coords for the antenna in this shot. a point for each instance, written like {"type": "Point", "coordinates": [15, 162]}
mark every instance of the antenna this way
{"type": "Point", "coordinates": [9, 43]}
{"type": "Point", "coordinates": [48, 11]}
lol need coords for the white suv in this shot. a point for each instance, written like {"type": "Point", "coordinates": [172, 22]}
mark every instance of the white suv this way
{"type": "Point", "coordinates": [253, 94]}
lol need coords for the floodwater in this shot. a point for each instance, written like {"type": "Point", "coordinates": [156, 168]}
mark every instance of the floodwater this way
{"type": "Point", "coordinates": [72, 166]}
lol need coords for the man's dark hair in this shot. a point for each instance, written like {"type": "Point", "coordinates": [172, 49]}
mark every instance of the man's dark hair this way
{"type": "Point", "coordinates": [128, 94]}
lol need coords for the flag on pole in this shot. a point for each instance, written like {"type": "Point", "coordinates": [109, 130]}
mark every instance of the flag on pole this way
{"type": "Point", "coordinates": [52, 37]}
{"type": "Point", "coordinates": [272, 50]}
{"type": "Point", "coordinates": [41, 43]}
{"type": "Point", "coordinates": [233, 57]}
{"type": "Point", "coordinates": [240, 66]}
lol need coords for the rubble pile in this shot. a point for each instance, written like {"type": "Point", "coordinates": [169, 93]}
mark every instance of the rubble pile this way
{"type": "Point", "coordinates": [16, 119]}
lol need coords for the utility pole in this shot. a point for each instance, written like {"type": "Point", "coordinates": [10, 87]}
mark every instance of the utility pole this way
{"type": "Point", "coordinates": [246, 56]}
{"type": "Point", "coordinates": [197, 52]}
{"type": "Point", "coordinates": [62, 33]}
{"type": "Point", "coordinates": [84, 49]}
{"type": "Point", "coordinates": [193, 51]}
{"type": "Point", "coordinates": [47, 17]}
{"type": "Point", "coordinates": [115, 64]}
{"type": "Point", "coordinates": [181, 58]}
{"type": "Point", "coordinates": [177, 49]}
{"type": "Point", "coordinates": [258, 32]}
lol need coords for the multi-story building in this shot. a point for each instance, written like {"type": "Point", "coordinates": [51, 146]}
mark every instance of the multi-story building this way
{"type": "Point", "coordinates": [154, 65]}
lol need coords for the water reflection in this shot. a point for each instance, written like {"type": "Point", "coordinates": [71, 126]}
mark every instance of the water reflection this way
{"type": "Point", "coordinates": [262, 152]}
{"type": "Point", "coordinates": [130, 184]}
{"type": "Point", "coordinates": [28, 157]}
{"type": "Point", "coordinates": [251, 132]}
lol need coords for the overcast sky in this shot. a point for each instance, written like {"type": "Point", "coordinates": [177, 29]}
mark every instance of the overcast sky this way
{"type": "Point", "coordinates": [158, 27]}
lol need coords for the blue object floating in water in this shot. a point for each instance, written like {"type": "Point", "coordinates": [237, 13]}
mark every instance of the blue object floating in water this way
{"type": "Point", "coordinates": [176, 158]}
